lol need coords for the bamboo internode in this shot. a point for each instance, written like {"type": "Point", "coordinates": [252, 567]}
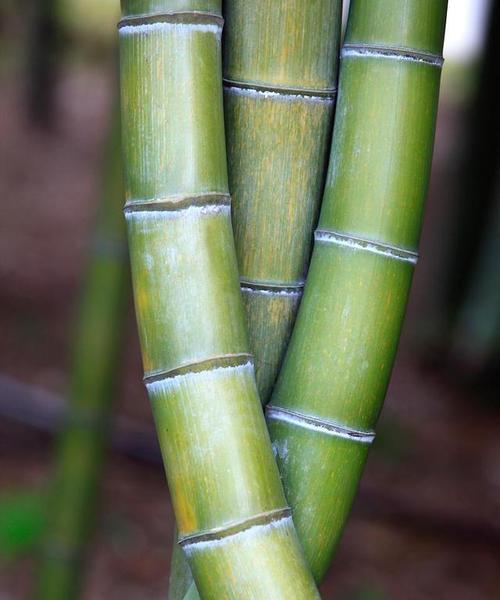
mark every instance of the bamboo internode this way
{"type": "Point", "coordinates": [330, 391]}
{"type": "Point", "coordinates": [231, 512]}
{"type": "Point", "coordinates": [280, 77]}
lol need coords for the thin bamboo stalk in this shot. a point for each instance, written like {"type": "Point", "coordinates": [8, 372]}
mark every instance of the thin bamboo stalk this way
{"type": "Point", "coordinates": [280, 70]}
{"type": "Point", "coordinates": [475, 340]}
{"type": "Point", "coordinates": [233, 521]}
{"type": "Point", "coordinates": [82, 442]}
{"type": "Point", "coordinates": [336, 371]}
{"type": "Point", "coordinates": [477, 176]}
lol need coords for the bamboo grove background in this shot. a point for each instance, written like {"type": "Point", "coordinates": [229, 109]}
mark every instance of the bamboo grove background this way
{"type": "Point", "coordinates": [414, 513]}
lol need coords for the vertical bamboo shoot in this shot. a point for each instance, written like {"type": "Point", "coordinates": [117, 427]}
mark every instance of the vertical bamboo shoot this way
{"type": "Point", "coordinates": [336, 371]}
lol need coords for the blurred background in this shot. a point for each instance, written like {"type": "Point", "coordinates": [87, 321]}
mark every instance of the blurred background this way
{"type": "Point", "coordinates": [426, 522]}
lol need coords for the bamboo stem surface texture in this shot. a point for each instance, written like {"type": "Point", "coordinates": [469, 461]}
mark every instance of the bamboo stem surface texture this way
{"type": "Point", "coordinates": [335, 375]}
{"type": "Point", "coordinates": [82, 442]}
{"type": "Point", "coordinates": [280, 77]}
{"type": "Point", "coordinates": [233, 521]}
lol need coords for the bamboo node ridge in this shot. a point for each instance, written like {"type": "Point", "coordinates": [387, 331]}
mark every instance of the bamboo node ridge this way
{"type": "Point", "coordinates": [267, 289]}
{"type": "Point", "coordinates": [179, 202]}
{"type": "Point", "coordinates": [318, 424]}
{"type": "Point", "coordinates": [326, 96]}
{"type": "Point", "coordinates": [221, 535]}
{"type": "Point", "coordinates": [227, 361]}
{"type": "Point", "coordinates": [131, 23]}
{"type": "Point", "coordinates": [403, 54]}
{"type": "Point", "coordinates": [357, 243]}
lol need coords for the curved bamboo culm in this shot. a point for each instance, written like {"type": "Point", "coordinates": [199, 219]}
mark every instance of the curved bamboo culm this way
{"type": "Point", "coordinates": [234, 524]}
{"type": "Point", "coordinates": [82, 442]}
{"type": "Point", "coordinates": [336, 371]}
{"type": "Point", "coordinates": [280, 76]}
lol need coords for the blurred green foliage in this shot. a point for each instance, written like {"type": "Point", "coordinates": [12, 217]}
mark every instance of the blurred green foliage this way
{"type": "Point", "coordinates": [89, 19]}
{"type": "Point", "coordinates": [22, 515]}
{"type": "Point", "coordinates": [84, 29]}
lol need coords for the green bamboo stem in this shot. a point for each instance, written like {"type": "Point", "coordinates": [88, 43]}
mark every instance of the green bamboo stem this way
{"type": "Point", "coordinates": [82, 442]}
{"type": "Point", "coordinates": [475, 341]}
{"type": "Point", "coordinates": [280, 77]}
{"type": "Point", "coordinates": [336, 371]}
{"type": "Point", "coordinates": [477, 173]}
{"type": "Point", "coordinates": [233, 521]}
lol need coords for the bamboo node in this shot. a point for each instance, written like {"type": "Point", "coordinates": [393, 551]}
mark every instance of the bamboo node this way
{"type": "Point", "coordinates": [403, 54]}
{"type": "Point", "coordinates": [268, 289]}
{"type": "Point", "coordinates": [326, 96]}
{"type": "Point", "coordinates": [174, 376]}
{"type": "Point", "coordinates": [357, 243]}
{"type": "Point", "coordinates": [178, 202]}
{"type": "Point", "coordinates": [202, 21]}
{"type": "Point", "coordinates": [319, 424]}
{"type": "Point", "coordinates": [223, 535]}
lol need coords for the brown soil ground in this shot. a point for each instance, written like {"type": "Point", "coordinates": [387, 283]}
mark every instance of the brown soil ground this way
{"type": "Point", "coordinates": [426, 520]}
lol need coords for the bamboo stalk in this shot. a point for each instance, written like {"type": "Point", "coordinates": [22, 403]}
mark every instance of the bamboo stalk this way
{"type": "Point", "coordinates": [82, 442]}
{"type": "Point", "coordinates": [280, 70]}
{"type": "Point", "coordinates": [475, 340]}
{"type": "Point", "coordinates": [336, 371]}
{"type": "Point", "coordinates": [280, 75]}
{"type": "Point", "coordinates": [233, 521]}
{"type": "Point", "coordinates": [477, 178]}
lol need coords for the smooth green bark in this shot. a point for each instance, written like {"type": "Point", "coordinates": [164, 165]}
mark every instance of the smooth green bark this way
{"type": "Point", "coordinates": [136, 8]}
{"type": "Point", "coordinates": [224, 483]}
{"type": "Point", "coordinates": [335, 375]}
{"type": "Point", "coordinates": [82, 441]}
{"type": "Point", "coordinates": [288, 44]}
{"type": "Point", "coordinates": [280, 73]}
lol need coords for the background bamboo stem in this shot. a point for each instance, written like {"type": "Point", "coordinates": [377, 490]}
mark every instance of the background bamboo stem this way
{"type": "Point", "coordinates": [477, 175]}
{"type": "Point", "coordinates": [229, 504]}
{"type": "Point", "coordinates": [475, 340]}
{"type": "Point", "coordinates": [336, 371]}
{"type": "Point", "coordinates": [82, 442]}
